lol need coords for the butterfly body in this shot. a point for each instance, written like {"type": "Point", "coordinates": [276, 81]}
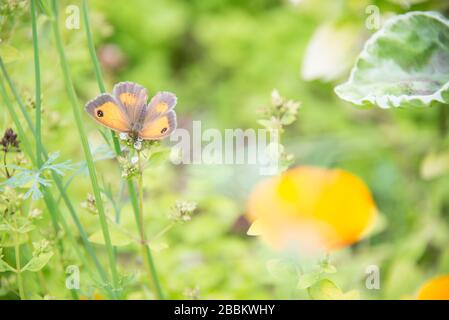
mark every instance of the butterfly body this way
{"type": "Point", "coordinates": [126, 111]}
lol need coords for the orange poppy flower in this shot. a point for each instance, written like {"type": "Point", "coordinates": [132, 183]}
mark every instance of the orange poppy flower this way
{"type": "Point", "coordinates": [309, 208]}
{"type": "Point", "coordinates": [435, 289]}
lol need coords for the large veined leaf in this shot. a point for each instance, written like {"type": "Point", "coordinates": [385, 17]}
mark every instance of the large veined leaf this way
{"type": "Point", "coordinates": [405, 64]}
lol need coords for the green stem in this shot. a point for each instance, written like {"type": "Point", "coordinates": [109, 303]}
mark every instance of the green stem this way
{"type": "Point", "coordinates": [37, 75]}
{"type": "Point", "coordinates": [443, 118]}
{"type": "Point", "coordinates": [48, 197]}
{"type": "Point", "coordinates": [85, 144]}
{"type": "Point", "coordinates": [40, 275]}
{"type": "Point", "coordinates": [16, 95]}
{"type": "Point", "coordinates": [90, 42]}
{"type": "Point", "coordinates": [18, 267]}
{"type": "Point", "coordinates": [163, 231]}
{"type": "Point", "coordinates": [149, 263]}
{"type": "Point", "coordinates": [25, 144]}
{"type": "Point", "coordinates": [131, 188]}
{"type": "Point", "coordinates": [98, 74]}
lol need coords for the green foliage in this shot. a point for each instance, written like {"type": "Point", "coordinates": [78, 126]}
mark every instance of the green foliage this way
{"type": "Point", "coordinates": [327, 290]}
{"type": "Point", "coordinates": [34, 179]}
{"type": "Point", "coordinates": [222, 59]}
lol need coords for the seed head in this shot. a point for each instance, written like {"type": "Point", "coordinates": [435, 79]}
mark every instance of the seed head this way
{"type": "Point", "coordinates": [9, 142]}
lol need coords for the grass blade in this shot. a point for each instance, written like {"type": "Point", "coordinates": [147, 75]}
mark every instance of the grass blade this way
{"type": "Point", "coordinates": [131, 188]}
{"type": "Point", "coordinates": [37, 75]}
{"type": "Point", "coordinates": [60, 186]}
{"type": "Point", "coordinates": [85, 144]}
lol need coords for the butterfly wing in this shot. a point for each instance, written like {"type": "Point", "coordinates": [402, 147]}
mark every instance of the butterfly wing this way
{"type": "Point", "coordinates": [160, 119]}
{"type": "Point", "coordinates": [133, 98]}
{"type": "Point", "coordinates": [106, 110]}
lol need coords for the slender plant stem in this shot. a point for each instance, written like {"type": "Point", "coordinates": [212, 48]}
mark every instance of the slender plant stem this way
{"type": "Point", "coordinates": [443, 119]}
{"type": "Point", "coordinates": [92, 52]}
{"type": "Point", "coordinates": [25, 144]}
{"type": "Point", "coordinates": [37, 75]}
{"type": "Point", "coordinates": [38, 118]}
{"type": "Point", "coordinates": [18, 267]}
{"type": "Point", "coordinates": [96, 63]}
{"type": "Point", "coordinates": [138, 213]}
{"type": "Point", "coordinates": [16, 95]}
{"type": "Point", "coordinates": [7, 174]}
{"type": "Point", "coordinates": [163, 231]}
{"type": "Point", "coordinates": [48, 197]}
{"type": "Point", "coordinates": [40, 275]}
{"type": "Point", "coordinates": [85, 144]}
{"type": "Point", "coordinates": [140, 188]}
{"type": "Point", "coordinates": [149, 263]}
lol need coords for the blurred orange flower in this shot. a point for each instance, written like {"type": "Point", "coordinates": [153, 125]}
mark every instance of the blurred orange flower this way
{"type": "Point", "coordinates": [435, 289]}
{"type": "Point", "coordinates": [95, 296]}
{"type": "Point", "coordinates": [311, 209]}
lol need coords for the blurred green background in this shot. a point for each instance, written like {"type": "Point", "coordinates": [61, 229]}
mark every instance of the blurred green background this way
{"type": "Point", "coordinates": [223, 59]}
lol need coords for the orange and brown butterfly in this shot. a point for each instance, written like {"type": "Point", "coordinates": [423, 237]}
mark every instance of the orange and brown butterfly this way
{"type": "Point", "coordinates": [126, 111]}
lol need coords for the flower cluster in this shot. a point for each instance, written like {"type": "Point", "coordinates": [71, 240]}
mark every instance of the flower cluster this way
{"type": "Point", "coordinates": [182, 211]}
{"type": "Point", "coordinates": [130, 167]}
{"type": "Point", "coordinates": [281, 113]}
{"type": "Point", "coordinates": [137, 143]}
{"type": "Point", "coordinates": [10, 201]}
{"type": "Point", "coordinates": [9, 142]}
{"type": "Point", "coordinates": [90, 204]}
{"type": "Point", "coordinates": [41, 247]}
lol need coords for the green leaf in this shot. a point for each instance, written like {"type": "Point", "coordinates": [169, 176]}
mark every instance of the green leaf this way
{"type": "Point", "coordinates": [9, 53]}
{"type": "Point", "coordinates": [328, 268]}
{"type": "Point", "coordinates": [325, 290]}
{"type": "Point", "coordinates": [282, 269]}
{"type": "Point", "coordinates": [405, 64]}
{"type": "Point", "coordinates": [307, 280]}
{"type": "Point", "coordinates": [24, 225]}
{"type": "Point", "coordinates": [351, 295]}
{"type": "Point", "coordinates": [8, 239]}
{"type": "Point", "coordinates": [38, 262]}
{"type": "Point", "coordinates": [158, 246]}
{"type": "Point", "coordinates": [118, 237]}
{"type": "Point", "coordinates": [4, 266]}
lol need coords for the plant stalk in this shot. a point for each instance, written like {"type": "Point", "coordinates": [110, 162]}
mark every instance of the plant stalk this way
{"type": "Point", "coordinates": [138, 213]}
{"type": "Point", "coordinates": [443, 119]}
{"type": "Point", "coordinates": [85, 144]}
{"type": "Point", "coordinates": [37, 75]}
{"type": "Point", "coordinates": [48, 197]}
{"type": "Point", "coordinates": [18, 267]}
{"type": "Point", "coordinates": [149, 263]}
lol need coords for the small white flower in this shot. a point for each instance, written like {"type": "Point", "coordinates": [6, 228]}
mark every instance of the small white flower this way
{"type": "Point", "coordinates": [138, 145]}
{"type": "Point", "coordinates": [134, 160]}
{"type": "Point", "coordinates": [123, 136]}
{"type": "Point", "coordinates": [276, 98]}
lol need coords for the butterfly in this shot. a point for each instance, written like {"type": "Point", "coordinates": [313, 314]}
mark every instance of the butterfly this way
{"type": "Point", "coordinates": [126, 111]}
